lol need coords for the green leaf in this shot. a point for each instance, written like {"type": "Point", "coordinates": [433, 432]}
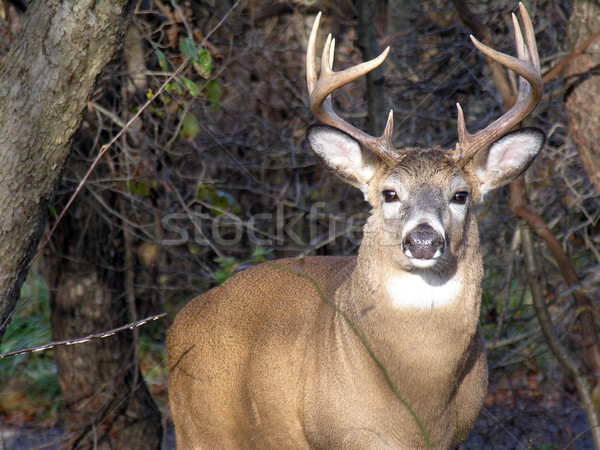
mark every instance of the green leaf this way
{"type": "Point", "coordinates": [203, 63]}
{"type": "Point", "coordinates": [224, 199]}
{"type": "Point", "coordinates": [213, 94]}
{"type": "Point", "coordinates": [162, 60]}
{"type": "Point", "coordinates": [221, 200]}
{"type": "Point", "coordinates": [190, 127]}
{"type": "Point", "coordinates": [174, 87]}
{"type": "Point", "coordinates": [227, 266]}
{"type": "Point", "coordinates": [192, 87]}
{"type": "Point", "coordinates": [138, 187]}
{"type": "Point", "coordinates": [258, 254]}
{"type": "Point", "coordinates": [188, 48]}
{"type": "Point", "coordinates": [200, 59]}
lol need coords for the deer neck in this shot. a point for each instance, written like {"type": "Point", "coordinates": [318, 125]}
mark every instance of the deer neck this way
{"type": "Point", "coordinates": [385, 278]}
{"type": "Point", "coordinates": [417, 319]}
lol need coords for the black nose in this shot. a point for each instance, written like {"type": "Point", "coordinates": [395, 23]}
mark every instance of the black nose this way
{"type": "Point", "coordinates": [423, 242]}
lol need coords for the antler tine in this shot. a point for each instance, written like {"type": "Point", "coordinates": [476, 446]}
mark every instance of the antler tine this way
{"type": "Point", "coordinates": [320, 89]}
{"type": "Point", "coordinates": [530, 36]}
{"type": "Point", "coordinates": [527, 66]}
{"type": "Point", "coordinates": [311, 70]}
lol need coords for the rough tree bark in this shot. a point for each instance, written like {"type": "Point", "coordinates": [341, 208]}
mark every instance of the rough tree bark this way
{"type": "Point", "coordinates": [44, 85]}
{"type": "Point", "coordinates": [106, 401]}
{"type": "Point", "coordinates": [582, 87]}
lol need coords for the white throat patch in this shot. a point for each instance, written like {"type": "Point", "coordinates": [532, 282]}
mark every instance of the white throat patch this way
{"type": "Point", "coordinates": [408, 290]}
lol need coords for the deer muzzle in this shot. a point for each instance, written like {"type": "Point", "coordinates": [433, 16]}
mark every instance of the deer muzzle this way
{"type": "Point", "coordinates": [423, 243]}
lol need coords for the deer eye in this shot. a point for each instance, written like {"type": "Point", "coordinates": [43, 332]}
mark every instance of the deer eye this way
{"type": "Point", "coordinates": [460, 198]}
{"type": "Point", "coordinates": [390, 196]}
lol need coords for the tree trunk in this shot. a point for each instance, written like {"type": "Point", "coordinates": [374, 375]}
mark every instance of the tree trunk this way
{"type": "Point", "coordinates": [106, 400]}
{"type": "Point", "coordinates": [44, 86]}
{"type": "Point", "coordinates": [45, 83]}
{"type": "Point", "coordinates": [582, 83]}
{"type": "Point", "coordinates": [367, 42]}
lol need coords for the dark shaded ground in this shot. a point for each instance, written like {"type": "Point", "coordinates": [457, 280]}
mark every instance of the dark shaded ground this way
{"type": "Point", "coordinates": [524, 426]}
{"type": "Point", "coordinates": [23, 438]}
{"type": "Point", "coordinates": [529, 425]}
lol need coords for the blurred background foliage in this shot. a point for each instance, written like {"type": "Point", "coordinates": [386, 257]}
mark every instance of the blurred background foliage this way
{"type": "Point", "coordinates": [215, 174]}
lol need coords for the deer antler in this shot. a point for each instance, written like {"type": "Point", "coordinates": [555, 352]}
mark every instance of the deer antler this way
{"type": "Point", "coordinates": [527, 66]}
{"type": "Point", "coordinates": [320, 90]}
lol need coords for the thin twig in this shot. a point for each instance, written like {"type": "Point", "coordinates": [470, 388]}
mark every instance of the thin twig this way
{"type": "Point", "coordinates": [556, 70]}
{"type": "Point", "coordinates": [82, 340]}
{"type": "Point", "coordinates": [107, 146]}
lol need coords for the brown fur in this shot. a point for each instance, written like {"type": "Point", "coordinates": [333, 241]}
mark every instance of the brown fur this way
{"type": "Point", "coordinates": [269, 360]}
{"type": "Point", "coordinates": [273, 366]}
{"type": "Point", "coordinates": [270, 364]}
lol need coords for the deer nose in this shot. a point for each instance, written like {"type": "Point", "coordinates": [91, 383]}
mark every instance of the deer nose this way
{"type": "Point", "coordinates": [423, 242]}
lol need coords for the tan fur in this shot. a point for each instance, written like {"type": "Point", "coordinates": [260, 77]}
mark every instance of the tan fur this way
{"type": "Point", "coordinates": [264, 362]}
{"type": "Point", "coordinates": [273, 366]}
{"type": "Point", "coordinates": [382, 350]}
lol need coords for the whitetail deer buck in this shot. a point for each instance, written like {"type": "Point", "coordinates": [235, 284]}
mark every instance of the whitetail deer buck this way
{"type": "Point", "coordinates": [379, 350]}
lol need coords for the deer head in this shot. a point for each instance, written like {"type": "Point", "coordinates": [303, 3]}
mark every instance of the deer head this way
{"type": "Point", "coordinates": [425, 192]}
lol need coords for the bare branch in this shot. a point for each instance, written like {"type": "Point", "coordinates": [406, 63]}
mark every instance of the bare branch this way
{"type": "Point", "coordinates": [82, 340]}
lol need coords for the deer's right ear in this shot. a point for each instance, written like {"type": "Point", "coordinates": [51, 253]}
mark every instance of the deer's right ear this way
{"type": "Point", "coordinates": [342, 155]}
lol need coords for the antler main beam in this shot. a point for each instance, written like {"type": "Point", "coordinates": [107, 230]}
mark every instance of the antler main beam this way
{"type": "Point", "coordinates": [320, 89]}
{"type": "Point", "coordinates": [527, 66]}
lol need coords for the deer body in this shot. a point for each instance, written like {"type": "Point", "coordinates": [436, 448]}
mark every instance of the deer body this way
{"type": "Point", "coordinates": [381, 350]}
{"type": "Point", "coordinates": [288, 372]}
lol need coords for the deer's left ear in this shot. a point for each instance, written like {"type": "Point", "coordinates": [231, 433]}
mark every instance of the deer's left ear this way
{"type": "Point", "coordinates": [508, 157]}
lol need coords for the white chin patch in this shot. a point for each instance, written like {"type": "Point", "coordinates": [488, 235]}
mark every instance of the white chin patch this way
{"type": "Point", "coordinates": [422, 263]}
{"type": "Point", "coordinates": [423, 291]}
